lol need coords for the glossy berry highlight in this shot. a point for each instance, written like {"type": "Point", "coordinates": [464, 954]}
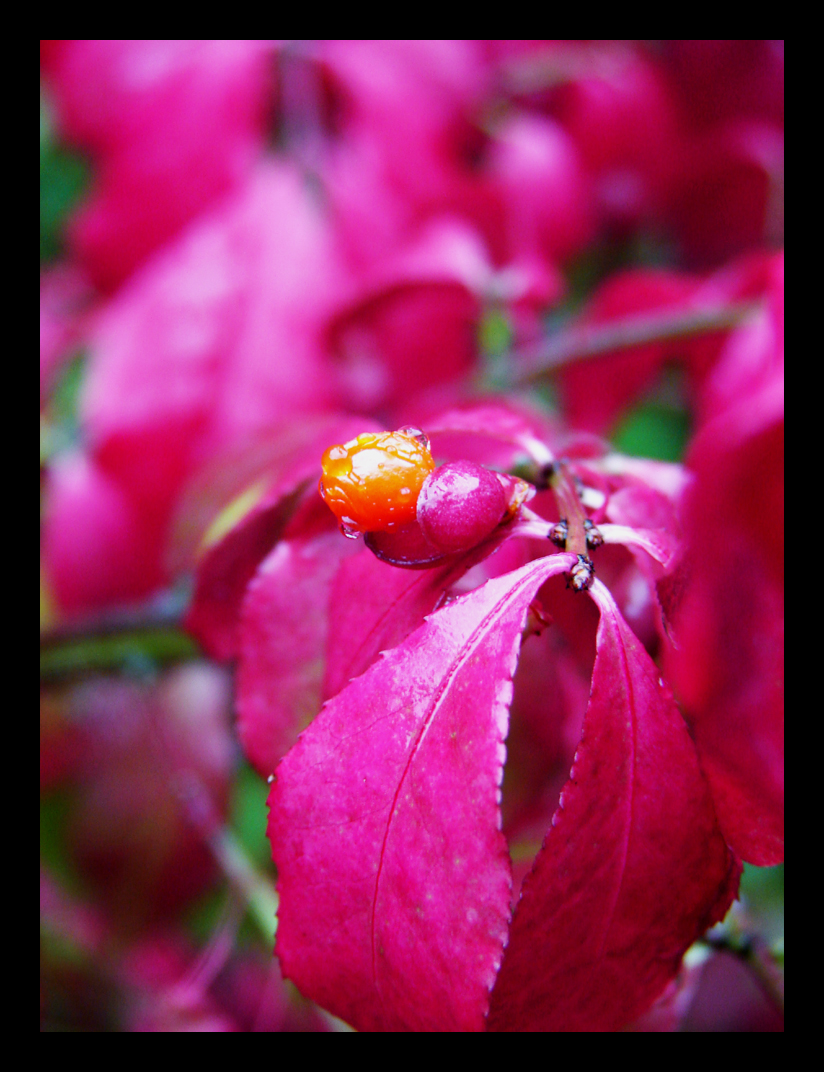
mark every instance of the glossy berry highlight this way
{"type": "Point", "coordinates": [459, 505]}
{"type": "Point", "coordinates": [372, 483]}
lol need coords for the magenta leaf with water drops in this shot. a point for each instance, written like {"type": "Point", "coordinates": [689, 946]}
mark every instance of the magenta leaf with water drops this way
{"type": "Point", "coordinates": [634, 867]}
{"type": "Point", "coordinates": [290, 659]}
{"type": "Point", "coordinates": [394, 876]}
{"type": "Point", "coordinates": [374, 607]}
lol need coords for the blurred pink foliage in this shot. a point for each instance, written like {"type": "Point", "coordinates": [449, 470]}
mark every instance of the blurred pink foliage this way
{"type": "Point", "coordinates": [140, 107]}
{"type": "Point", "coordinates": [283, 245]}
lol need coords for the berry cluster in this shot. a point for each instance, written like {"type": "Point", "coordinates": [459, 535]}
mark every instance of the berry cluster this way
{"type": "Point", "coordinates": [388, 483]}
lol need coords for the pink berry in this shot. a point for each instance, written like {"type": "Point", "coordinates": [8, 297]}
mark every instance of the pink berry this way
{"type": "Point", "coordinates": [459, 504]}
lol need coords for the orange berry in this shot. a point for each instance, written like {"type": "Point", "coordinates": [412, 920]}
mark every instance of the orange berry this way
{"type": "Point", "coordinates": [371, 483]}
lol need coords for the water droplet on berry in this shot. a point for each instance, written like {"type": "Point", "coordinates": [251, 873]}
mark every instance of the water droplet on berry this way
{"type": "Point", "coordinates": [416, 434]}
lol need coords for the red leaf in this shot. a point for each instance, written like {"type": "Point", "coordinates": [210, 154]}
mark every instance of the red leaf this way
{"type": "Point", "coordinates": [634, 868]}
{"type": "Point", "coordinates": [283, 629]}
{"type": "Point", "coordinates": [413, 327]}
{"type": "Point", "coordinates": [728, 667]}
{"type": "Point", "coordinates": [494, 433]}
{"type": "Point", "coordinates": [661, 546]}
{"type": "Point", "coordinates": [491, 420]}
{"type": "Point", "coordinates": [374, 607]}
{"type": "Point", "coordinates": [228, 565]}
{"type": "Point", "coordinates": [385, 823]}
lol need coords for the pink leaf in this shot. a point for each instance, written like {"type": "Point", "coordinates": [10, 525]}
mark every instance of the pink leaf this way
{"type": "Point", "coordinates": [385, 823]}
{"type": "Point", "coordinates": [410, 323]}
{"type": "Point", "coordinates": [141, 108]}
{"type": "Point", "coordinates": [728, 667]}
{"type": "Point", "coordinates": [283, 628]}
{"type": "Point", "coordinates": [98, 546]}
{"type": "Point", "coordinates": [634, 868]}
{"type": "Point", "coordinates": [228, 564]}
{"type": "Point", "coordinates": [374, 607]}
{"type": "Point", "coordinates": [494, 433]}
{"type": "Point", "coordinates": [216, 341]}
{"type": "Point", "coordinates": [643, 506]}
{"type": "Point", "coordinates": [491, 420]}
{"type": "Point", "coordinates": [661, 546]}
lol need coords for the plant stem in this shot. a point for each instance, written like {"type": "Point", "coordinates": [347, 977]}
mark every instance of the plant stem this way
{"type": "Point", "coordinates": [149, 634]}
{"type": "Point", "coordinates": [255, 889]}
{"type": "Point", "coordinates": [569, 507]}
{"type": "Point", "coordinates": [582, 342]}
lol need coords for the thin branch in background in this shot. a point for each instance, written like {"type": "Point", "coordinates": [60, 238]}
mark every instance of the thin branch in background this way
{"type": "Point", "coordinates": [117, 641]}
{"type": "Point", "coordinates": [582, 342]}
